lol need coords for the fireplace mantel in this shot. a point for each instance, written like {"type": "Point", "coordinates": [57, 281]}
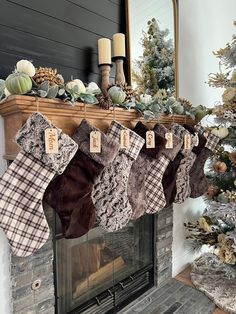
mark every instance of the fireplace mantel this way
{"type": "Point", "coordinates": [38, 267]}
{"type": "Point", "coordinates": [16, 109]}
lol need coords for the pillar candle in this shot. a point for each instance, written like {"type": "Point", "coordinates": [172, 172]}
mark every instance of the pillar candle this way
{"type": "Point", "coordinates": [104, 51]}
{"type": "Point", "coordinates": [119, 45]}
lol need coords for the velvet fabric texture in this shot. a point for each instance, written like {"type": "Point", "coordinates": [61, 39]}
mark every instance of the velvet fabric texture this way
{"type": "Point", "coordinates": [171, 154]}
{"type": "Point", "coordinates": [198, 181]}
{"type": "Point", "coordinates": [139, 170]}
{"type": "Point", "coordinates": [110, 191]}
{"type": "Point", "coordinates": [70, 194]}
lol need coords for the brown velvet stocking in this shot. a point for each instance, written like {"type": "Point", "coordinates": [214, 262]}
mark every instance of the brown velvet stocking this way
{"type": "Point", "coordinates": [70, 193]}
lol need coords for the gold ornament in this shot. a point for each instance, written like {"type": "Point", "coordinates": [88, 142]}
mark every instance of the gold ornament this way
{"type": "Point", "coordinates": [232, 157]}
{"type": "Point", "coordinates": [204, 225]}
{"type": "Point", "coordinates": [229, 94]}
{"type": "Point", "coordinates": [212, 190]}
{"type": "Point", "coordinates": [220, 166]}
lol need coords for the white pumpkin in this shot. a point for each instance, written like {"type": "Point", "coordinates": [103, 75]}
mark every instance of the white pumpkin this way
{"type": "Point", "coordinates": [145, 99]}
{"type": "Point", "coordinates": [92, 88]}
{"type": "Point", "coordinates": [81, 88]}
{"type": "Point", "coordinates": [26, 67]}
{"type": "Point", "coordinates": [6, 92]}
{"type": "Point", "coordinates": [221, 132]}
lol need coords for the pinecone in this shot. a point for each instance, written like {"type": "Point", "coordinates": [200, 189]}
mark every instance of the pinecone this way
{"type": "Point", "coordinates": [48, 74]}
{"type": "Point", "coordinates": [185, 102]}
{"type": "Point", "coordinates": [105, 101]}
{"type": "Point", "coordinates": [130, 93]}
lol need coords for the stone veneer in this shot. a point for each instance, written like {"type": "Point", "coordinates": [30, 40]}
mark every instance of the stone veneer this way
{"type": "Point", "coordinates": [26, 271]}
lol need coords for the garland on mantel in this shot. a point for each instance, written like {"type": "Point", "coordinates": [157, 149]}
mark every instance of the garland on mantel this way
{"type": "Point", "coordinates": [47, 83]}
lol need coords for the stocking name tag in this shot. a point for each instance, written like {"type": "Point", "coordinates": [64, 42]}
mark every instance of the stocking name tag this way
{"type": "Point", "coordinates": [124, 139]}
{"type": "Point", "coordinates": [150, 139]}
{"type": "Point", "coordinates": [169, 140]}
{"type": "Point", "coordinates": [187, 141]}
{"type": "Point", "coordinates": [51, 141]}
{"type": "Point", "coordinates": [196, 138]}
{"type": "Point", "coordinates": [95, 142]}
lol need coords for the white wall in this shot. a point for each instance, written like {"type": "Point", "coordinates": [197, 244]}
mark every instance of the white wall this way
{"type": "Point", "coordinates": [4, 248]}
{"type": "Point", "coordinates": [205, 26]}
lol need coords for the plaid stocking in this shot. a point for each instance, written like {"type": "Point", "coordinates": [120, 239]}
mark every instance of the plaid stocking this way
{"type": "Point", "coordinates": [70, 193]}
{"type": "Point", "coordinates": [170, 154]}
{"type": "Point", "coordinates": [110, 191]}
{"type": "Point", "coordinates": [139, 169]}
{"type": "Point", "coordinates": [23, 184]}
{"type": "Point", "coordinates": [183, 177]}
{"type": "Point", "coordinates": [198, 181]}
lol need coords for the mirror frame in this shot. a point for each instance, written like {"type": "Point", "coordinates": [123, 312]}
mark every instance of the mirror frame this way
{"type": "Point", "coordinates": [176, 42]}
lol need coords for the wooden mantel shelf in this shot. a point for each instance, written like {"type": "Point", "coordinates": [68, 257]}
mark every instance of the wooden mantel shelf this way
{"type": "Point", "coordinates": [16, 109]}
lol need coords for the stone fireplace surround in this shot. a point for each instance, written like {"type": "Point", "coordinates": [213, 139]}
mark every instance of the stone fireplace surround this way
{"type": "Point", "coordinates": [32, 277]}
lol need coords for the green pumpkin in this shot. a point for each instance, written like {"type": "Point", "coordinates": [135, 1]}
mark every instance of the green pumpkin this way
{"type": "Point", "coordinates": [18, 83]}
{"type": "Point", "coordinates": [117, 95]}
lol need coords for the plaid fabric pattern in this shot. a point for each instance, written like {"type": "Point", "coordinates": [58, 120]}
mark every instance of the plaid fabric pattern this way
{"type": "Point", "coordinates": [136, 141]}
{"type": "Point", "coordinates": [212, 141]}
{"type": "Point", "coordinates": [21, 213]}
{"type": "Point", "coordinates": [200, 128]}
{"type": "Point", "coordinates": [153, 184]}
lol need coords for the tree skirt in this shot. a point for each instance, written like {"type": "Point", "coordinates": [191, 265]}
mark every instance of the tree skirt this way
{"type": "Point", "coordinates": [217, 280]}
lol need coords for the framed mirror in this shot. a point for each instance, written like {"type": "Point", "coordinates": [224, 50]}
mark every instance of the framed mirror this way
{"type": "Point", "coordinates": [152, 46]}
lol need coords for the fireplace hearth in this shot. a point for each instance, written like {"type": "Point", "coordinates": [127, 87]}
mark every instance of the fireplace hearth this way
{"type": "Point", "coordinates": [98, 273]}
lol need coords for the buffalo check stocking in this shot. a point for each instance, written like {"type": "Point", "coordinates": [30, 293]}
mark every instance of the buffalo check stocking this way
{"type": "Point", "coordinates": [153, 183]}
{"type": "Point", "coordinates": [23, 184]}
{"type": "Point", "coordinates": [136, 186]}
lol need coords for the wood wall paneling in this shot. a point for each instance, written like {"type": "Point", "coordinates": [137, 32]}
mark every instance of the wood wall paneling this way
{"type": "Point", "coordinates": [58, 33]}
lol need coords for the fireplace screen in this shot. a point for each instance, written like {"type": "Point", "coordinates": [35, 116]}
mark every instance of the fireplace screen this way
{"type": "Point", "coordinates": [101, 271]}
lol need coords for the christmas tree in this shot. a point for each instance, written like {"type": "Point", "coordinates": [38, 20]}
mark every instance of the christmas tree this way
{"type": "Point", "coordinates": [217, 227]}
{"type": "Point", "coordinates": [154, 72]}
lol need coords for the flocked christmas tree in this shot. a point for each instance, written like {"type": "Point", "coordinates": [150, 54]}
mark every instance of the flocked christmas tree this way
{"type": "Point", "coordinates": [154, 72]}
{"type": "Point", "coordinates": [217, 227]}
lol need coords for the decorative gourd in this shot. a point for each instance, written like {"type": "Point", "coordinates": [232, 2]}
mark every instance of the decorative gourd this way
{"type": "Point", "coordinates": [93, 88]}
{"type": "Point", "coordinates": [6, 92]}
{"type": "Point", "coordinates": [145, 99]}
{"type": "Point", "coordinates": [117, 95]}
{"type": "Point", "coordinates": [221, 132]}
{"type": "Point", "coordinates": [18, 83]}
{"type": "Point", "coordinates": [177, 108]}
{"type": "Point", "coordinates": [26, 67]}
{"type": "Point", "coordinates": [80, 88]}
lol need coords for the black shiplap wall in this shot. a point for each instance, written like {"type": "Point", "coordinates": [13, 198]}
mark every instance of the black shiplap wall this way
{"type": "Point", "coordinates": [58, 33]}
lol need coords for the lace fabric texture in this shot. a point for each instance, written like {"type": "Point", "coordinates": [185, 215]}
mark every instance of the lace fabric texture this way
{"type": "Point", "coordinates": [31, 139]}
{"type": "Point", "coordinates": [110, 194]}
{"type": "Point", "coordinates": [183, 189]}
